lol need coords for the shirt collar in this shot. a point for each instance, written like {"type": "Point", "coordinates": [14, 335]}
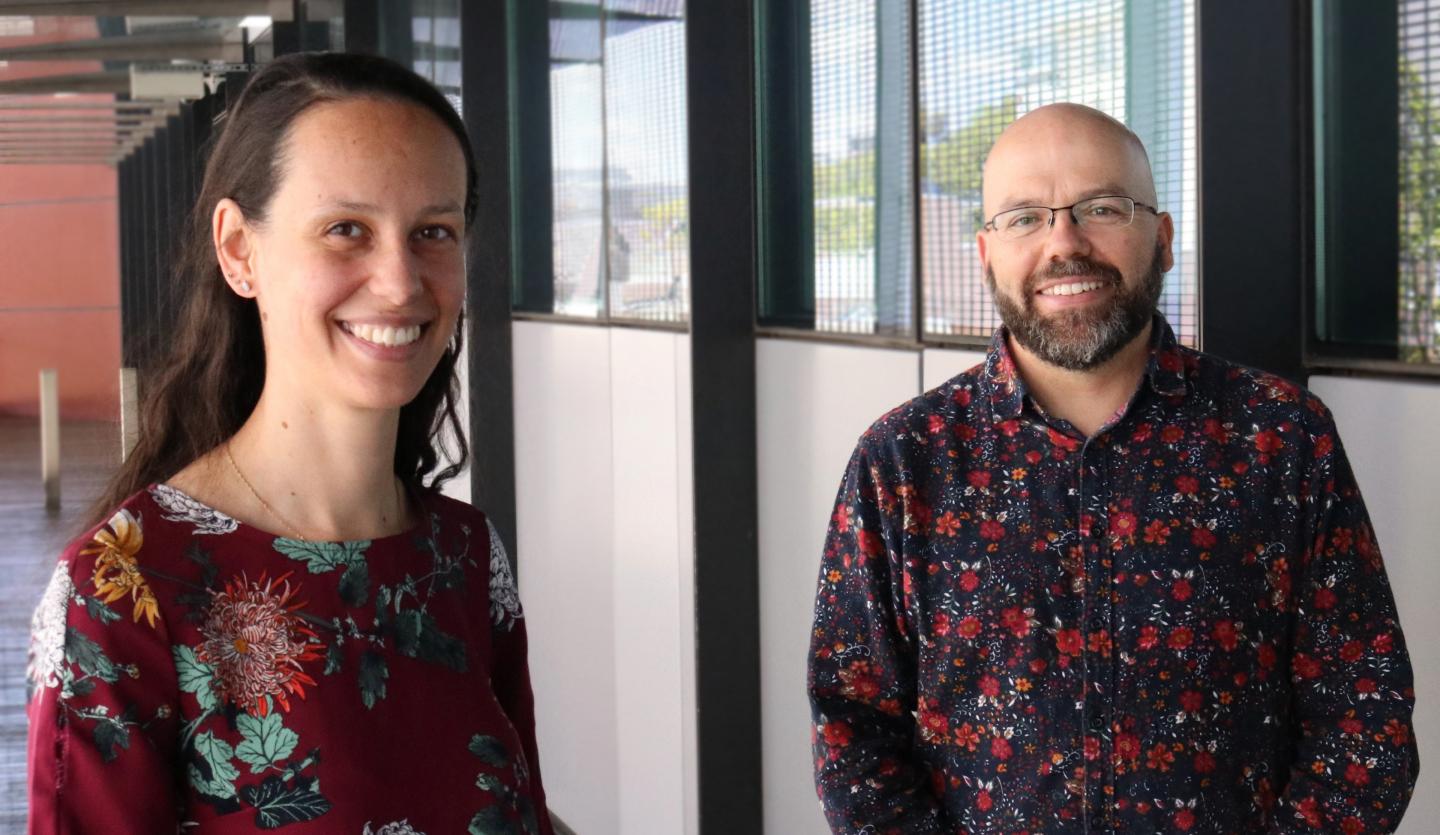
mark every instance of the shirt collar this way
{"type": "Point", "coordinates": [1165, 370]}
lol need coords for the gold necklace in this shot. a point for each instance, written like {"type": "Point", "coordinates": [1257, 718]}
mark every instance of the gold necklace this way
{"type": "Point", "coordinates": [281, 519]}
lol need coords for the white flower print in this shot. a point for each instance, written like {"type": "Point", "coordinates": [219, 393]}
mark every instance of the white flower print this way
{"type": "Point", "coordinates": [47, 630]}
{"type": "Point", "coordinates": [178, 507]}
{"type": "Point", "coordinates": [402, 827]}
{"type": "Point", "coordinates": [504, 599]}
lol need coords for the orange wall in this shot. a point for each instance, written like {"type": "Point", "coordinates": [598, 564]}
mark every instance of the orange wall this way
{"type": "Point", "coordinates": [59, 265]}
{"type": "Point", "coordinates": [60, 288]}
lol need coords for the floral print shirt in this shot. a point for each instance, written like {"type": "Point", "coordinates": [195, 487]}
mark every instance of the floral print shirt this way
{"type": "Point", "coordinates": [193, 674]}
{"type": "Point", "coordinates": [1180, 624]}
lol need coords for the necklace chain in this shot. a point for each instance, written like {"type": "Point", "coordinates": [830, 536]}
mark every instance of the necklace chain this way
{"type": "Point", "coordinates": [272, 511]}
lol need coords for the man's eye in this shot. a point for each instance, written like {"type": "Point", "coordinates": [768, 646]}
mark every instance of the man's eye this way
{"type": "Point", "coordinates": [345, 229]}
{"type": "Point", "coordinates": [1022, 219]}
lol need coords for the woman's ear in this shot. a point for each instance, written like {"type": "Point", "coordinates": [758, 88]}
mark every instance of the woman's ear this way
{"type": "Point", "coordinates": [233, 247]}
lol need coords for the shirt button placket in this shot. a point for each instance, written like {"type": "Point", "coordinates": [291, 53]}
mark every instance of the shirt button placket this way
{"type": "Point", "coordinates": [1098, 656]}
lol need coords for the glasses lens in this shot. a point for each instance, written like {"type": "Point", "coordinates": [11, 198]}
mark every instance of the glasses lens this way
{"type": "Point", "coordinates": [1017, 223]}
{"type": "Point", "coordinates": [1105, 211]}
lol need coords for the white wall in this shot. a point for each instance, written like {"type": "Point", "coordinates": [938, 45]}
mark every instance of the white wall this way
{"type": "Point", "coordinates": [813, 401]}
{"type": "Point", "coordinates": [1391, 431]}
{"type": "Point", "coordinates": [605, 516]}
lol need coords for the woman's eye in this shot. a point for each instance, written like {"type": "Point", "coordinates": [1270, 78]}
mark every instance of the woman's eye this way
{"type": "Point", "coordinates": [345, 229]}
{"type": "Point", "coordinates": [437, 233]}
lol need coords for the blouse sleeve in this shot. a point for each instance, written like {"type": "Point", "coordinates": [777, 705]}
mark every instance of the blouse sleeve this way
{"type": "Point", "coordinates": [103, 727]}
{"type": "Point", "coordinates": [510, 673]}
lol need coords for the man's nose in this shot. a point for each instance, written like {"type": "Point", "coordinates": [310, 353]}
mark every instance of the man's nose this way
{"type": "Point", "coordinates": [1065, 238]}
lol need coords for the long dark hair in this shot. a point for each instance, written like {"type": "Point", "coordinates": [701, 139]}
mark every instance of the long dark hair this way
{"type": "Point", "coordinates": [207, 385]}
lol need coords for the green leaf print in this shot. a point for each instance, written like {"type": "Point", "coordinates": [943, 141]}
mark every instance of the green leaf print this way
{"type": "Point", "coordinates": [492, 821]}
{"type": "Point", "coordinates": [266, 742]}
{"type": "Point", "coordinates": [89, 657]}
{"type": "Point", "coordinates": [418, 636]}
{"type": "Point", "coordinates": [216, 754]}
{"type": "Point", "coordinates": [110, 736]}
{"type": "Point", "coordinates": [195, 676]}
{"type": "Point", "coordinates": [334, 657]}
{"type": "Point", "coordinates": [355, 584]}
{"type": "Point", "coordinates": [322, 557]}
{"type": "Point", "coordinates": [373, 672]}
{"type": "Point", "coordinates": [277, 804]}
{"type": "Point", "coordinates": [98, 610]}
{"type": "Point", "coordinates": [490, 750]}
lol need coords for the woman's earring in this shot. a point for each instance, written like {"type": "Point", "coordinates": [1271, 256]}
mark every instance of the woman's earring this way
{"type": "Point", "coordinates": [244, 286]}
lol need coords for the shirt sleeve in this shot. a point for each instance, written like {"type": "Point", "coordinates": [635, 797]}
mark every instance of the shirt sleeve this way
{"type": "Point", "coordinates": [510, 673]}
{"type": "Point", "coordinates": [1356, 760]}
{"type": "Point", "coordinates": [103, 746]}
{"type": "Point", "coordinates": [862, 669]}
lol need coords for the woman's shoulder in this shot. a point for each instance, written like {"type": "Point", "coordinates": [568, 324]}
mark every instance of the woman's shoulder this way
{"type": "Point", "coordinates": [489, 553]}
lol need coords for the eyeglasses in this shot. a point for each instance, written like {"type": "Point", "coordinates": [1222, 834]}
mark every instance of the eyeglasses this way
{"type": "Point", "coordinates": [1108, 211]}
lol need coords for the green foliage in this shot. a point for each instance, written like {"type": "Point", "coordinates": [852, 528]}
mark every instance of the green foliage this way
{"type": "Point", "coordinates": [953, 163]}
{"type": "Point", "coordinates": [266, 741]}
{"type": "Point", "coordinates": [853, 176]}
{"type": "Point", "coordinates": [845, 228]}
{"type": "Point", "coordinates": [195, 676]}
{"type": "Point", "coordinates": [1419, 214]}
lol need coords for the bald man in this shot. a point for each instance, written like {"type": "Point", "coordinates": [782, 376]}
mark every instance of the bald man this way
{"type": "Point", "coordinates": [1103, 582]}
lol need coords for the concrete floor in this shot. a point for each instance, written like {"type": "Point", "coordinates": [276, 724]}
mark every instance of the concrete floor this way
{"type": "Point", "coordinates": [30, 540]}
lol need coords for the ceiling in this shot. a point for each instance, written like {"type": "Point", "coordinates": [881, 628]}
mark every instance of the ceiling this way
{"type": "Point", "coordinates": [86, 81]}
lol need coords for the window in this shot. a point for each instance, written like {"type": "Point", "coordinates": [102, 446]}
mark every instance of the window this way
{"type": "Point", "coordinates": [905, 101]}
{"type": "Point", "coordinates": [1377, 110]}
{"type": "Point", "coordinates": [619, 159]}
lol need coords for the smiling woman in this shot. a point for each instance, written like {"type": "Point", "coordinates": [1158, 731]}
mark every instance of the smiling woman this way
{"type": "Point", "coordinates": [273, 591]}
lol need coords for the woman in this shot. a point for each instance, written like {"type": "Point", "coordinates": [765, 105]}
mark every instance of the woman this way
{"type": "Point", "coordinates": [277, 622]}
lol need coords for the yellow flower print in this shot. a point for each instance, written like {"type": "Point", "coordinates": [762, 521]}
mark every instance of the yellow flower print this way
{"type": "Point", "coordinates": [116, 571]}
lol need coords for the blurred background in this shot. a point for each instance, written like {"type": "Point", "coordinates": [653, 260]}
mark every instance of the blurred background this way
{"type": "Point", "coordinates": [716, 240]}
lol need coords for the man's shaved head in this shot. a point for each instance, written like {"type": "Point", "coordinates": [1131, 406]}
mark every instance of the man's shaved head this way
{"type": "Point", "coordinates": [1050, 134]}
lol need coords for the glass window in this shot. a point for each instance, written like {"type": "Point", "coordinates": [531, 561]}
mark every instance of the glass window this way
{"type": "Point", "coordinates": [620, 159]}
{"type": "Point", "coordinates": [905, 100]}
{"type": "Point", "coordinates": [1419, 76]}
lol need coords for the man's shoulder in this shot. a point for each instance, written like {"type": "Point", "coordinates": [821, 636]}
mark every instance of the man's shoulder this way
{"type": "Point", "coordinates": [1263, 395]}
{"type": "Point", "coordinates": [957, 401]}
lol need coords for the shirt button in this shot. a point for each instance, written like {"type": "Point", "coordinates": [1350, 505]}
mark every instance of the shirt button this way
{"type": "Point", "coordinates": [1097, 721]}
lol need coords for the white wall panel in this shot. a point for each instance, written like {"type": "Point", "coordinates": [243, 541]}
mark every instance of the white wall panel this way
{"type": "Point", "coordinates": [686, 437]}
{"type": "Point", "coordinates": [564, 498]}
{"type": "Point", "coordinates": [1390, 433]}
{"type": "Point", "coordinates": [814, 400]}
{"type": "Point", "coordinates": [647, 585]}
{"type": "Point", "coordinates": [940, 364]}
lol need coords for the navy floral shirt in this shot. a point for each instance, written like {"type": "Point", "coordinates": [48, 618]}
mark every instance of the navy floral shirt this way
{"type": "Point", "coordinates": [1181, 624]}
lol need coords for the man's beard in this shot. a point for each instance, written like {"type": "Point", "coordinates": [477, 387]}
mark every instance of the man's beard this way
{"type": "Point", "coordinates": [1084, 338]}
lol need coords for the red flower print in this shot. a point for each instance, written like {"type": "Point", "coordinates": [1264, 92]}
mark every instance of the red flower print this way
{"type": "Point", "coordinates": [1100, 642]}
{"type": "Point", "coordinates": [983, 801]}
{"type": "Point", "coordinates": [1365, 686]}
{"type": "Point", "coordinates": [1063, 441]}
{"type": "Point", "coordinates": [1000, 748]}
{"type": "Point", "coordinates": [990, 686]}
{"type": "Point", "coordinates": [942, 624]}
{"type": "Point", "coordinates": [1357, 773]}
{"type": "Point", "coordinates": [1352, 726]}
{"type": "Point", "coordinates": [1309, 810]}
{"type": "Point", "coordinates": [1383, 643]}
{"type": "Point", "coordinates": [1305, 666]}
{"type": "Point", "coordinates": [1342, 539]}
{"type": "Point", "coordinates": [1184, 820]}
{"type": "Point", "coordinates": [1187, 485]}
{"type": "Point", "coordinates": [933, 726]}
{"type": "Point", "coordinates": [961, 397]}
{"type": "Point", "coordinates": [841, 517]}
{"type": "Point", "coordinates": [1398, 732]}
{"type": "Point", "coordinates": [1204, 762]}
{"type": "Point", "coordinates": [1180, 589]}
{"type": "Point", "coordinates": [967, 737]}
{"type": "Point", "coordinates": [1092, 748]}
{"type": "Point", "coordinates": [838, 734]}
{"type": "Point", "coordinates": [1141, 434]}
{"type": "Point", "coordinates": [1159, 758]}
{"type": "Point", "coordinates": [1172, 434]}
{"type": "Point", "coordinates": [1015, 620]}
{"type": "Point", "coordinates": [1352, 651]}
{"type": "Point", "coordinates": [1181, 637]}
{"type": "Point", "coordinates": [1127, 748]}
{"type": "Point", "coordinates": [1352, 825]}
{"type": "Point", "coordinates": [1324, 598]}
{"type": "Point", "coordinates": [1149, 637]}
{"type": "Point", "coordinates": [870, 543]}
{"type": "Point", "coordinates": [1191, 701]}
{"type": "Point", "coordinates": [1068, 641]}
{"type": "Point", "coordinates": [1324, 445]}
{"type": "Point", "coordinates": [1157, 533]}
{"type": "Point", "coordinates": [992, 530]}
{"type": "Point", "coordinates": [1268, 441]}
{"type": "Point", "coordinates": [969, 580]}
{"type": "Point", "coordinates": [948, 524]}
{"type": "Point", "coordinates": [1225, 635]}
{"type": "Point", "coordinates": [257, 644]}
{"type": "Point", "coordinates": [859, 681]}
{"type": "Point", "coordinates": [1122, 525]}
{"type": "Point", "coordinates": [1202, 538]}
{"type": "Point", "coordinates": [979, 479]}
{"type": "Point", "coordinates": [1009, 428]}
{"type": "Point", "coordinates": [1266, 656]}
{"type": "Point", "coordinates": [969, 627]}
{"type": "Point", "coordinates": [936, 424]}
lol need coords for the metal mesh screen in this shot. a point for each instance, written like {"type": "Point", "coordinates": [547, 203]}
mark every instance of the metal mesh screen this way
{"type": "Point", "coordinates": [1419, 161]}
{"type": "Point", "coordinates": [983, 65]}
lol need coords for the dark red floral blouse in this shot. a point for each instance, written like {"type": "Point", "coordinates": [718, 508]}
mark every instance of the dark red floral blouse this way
{"type": "Point", "coordinates": [194, 674]}
{"type": "Point", "coordinates": [1181, 624]}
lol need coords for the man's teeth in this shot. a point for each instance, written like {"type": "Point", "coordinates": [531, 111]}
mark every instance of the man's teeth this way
{"type": "Point", "coordinates": [1072, 289]}
{"type": "Point", "coordinates": [384, 334]}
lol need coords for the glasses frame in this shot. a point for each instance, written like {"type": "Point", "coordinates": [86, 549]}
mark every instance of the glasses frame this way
{"type": "Point", "coordinates": [990, 225]}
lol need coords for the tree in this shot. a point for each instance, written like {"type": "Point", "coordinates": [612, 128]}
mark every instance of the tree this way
{"type": "Point", "coordinates": [1419, 217]}
{"type": "Point", "coordinates": [953, 164]}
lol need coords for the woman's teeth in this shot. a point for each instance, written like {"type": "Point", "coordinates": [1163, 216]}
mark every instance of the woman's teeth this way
{"type": "Point", "coordinates": [384, 334]}
{"type": "Point", "coordinates": [1072, 289]}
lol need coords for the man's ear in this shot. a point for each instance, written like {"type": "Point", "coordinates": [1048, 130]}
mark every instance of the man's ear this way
{"type": "Point", "coordinates": [980, 245]}
{"type": "Point", "coordinates": [233, 246]}
{"type": "Point", "coordinates": [1164, 236]}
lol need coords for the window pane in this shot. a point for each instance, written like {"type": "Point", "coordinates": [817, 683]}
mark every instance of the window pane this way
{"type": "Point", "coordinates": [1420, 181]}
{"type": "Point", "coordinates": [984, 65]}
{"type": "Point", "coordinates": [863, 172]}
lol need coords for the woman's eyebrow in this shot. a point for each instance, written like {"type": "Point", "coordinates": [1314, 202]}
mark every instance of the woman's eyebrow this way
{"type": "Point", "coordinates": [354, 206]}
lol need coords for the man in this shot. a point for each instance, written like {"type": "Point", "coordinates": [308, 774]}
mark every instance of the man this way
{"type": "Point", "coordinates": [1103, 582]}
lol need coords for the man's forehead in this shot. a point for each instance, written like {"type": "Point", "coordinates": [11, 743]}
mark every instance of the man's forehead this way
{"type": "Point", "coordinates": [1074, 150]}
